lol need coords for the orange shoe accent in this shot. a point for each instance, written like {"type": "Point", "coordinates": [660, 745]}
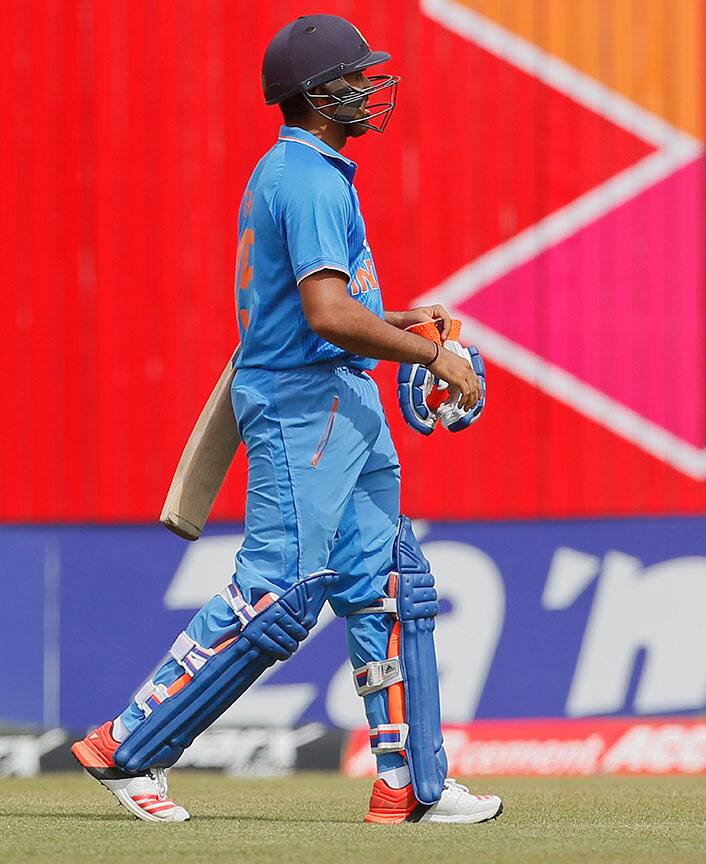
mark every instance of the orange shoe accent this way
{"type": "Point", "coordinates": [389, 806]}
{"type": "Point", "coordinates": [97, 750]}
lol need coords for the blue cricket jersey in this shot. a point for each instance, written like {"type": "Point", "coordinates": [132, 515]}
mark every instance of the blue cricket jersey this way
{"type": "Point", "coordinates": [300, 213]}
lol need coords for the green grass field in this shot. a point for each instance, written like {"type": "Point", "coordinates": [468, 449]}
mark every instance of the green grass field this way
{"type": "Point", "coordinates": [313, 818]}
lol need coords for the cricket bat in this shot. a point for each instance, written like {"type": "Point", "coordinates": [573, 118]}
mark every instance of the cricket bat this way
{"type": "Point", "coordinates": [204, 463]}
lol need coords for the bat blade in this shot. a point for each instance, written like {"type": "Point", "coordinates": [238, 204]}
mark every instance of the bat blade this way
{"type": "Point", "coordinates": [203, 464]}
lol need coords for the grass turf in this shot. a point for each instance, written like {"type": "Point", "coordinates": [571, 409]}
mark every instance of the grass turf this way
{"type": "Point", "coordinates": [312, 818]}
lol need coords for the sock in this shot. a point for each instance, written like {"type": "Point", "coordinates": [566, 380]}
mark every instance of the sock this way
{"type": "Point", "coordinates": [396, 778]}
{"type": "Point", "coordinates": [120, 730]}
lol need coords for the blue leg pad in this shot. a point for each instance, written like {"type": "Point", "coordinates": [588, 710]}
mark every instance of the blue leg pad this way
{"type": "Point", "coordinates": [417, 605]}
{"type": "Point", "coordinates": [273, 634]}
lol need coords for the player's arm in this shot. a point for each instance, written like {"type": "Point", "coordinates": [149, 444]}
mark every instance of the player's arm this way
{"type": "Point", "coordinates": [333, 314]}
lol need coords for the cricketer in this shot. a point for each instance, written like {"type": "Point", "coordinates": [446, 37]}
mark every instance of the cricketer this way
{"type": "Point", "coordinates": [322, 517]}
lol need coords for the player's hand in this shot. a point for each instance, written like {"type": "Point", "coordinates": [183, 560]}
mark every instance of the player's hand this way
{"type": "Point", "coordinates": [422, 315]}
{"type": "Point", "coordinates": [464, 386]}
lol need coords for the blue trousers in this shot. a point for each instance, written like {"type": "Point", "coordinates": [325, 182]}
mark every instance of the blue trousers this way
{"type": "Point", "coordinates": [323, 481]}
{"type": "Point", "coordinates": [323, 492]}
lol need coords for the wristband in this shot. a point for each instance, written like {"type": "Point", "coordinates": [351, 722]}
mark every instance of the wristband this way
{"type": "Point", "coordinates": [435, 358]}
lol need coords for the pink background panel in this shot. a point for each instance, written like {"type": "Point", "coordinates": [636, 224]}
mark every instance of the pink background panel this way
{"type": "Point", "coordinates": [620, 304]}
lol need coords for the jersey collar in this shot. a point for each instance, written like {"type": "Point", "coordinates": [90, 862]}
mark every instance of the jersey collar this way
{"type": "Point", "coordinates": [301, 136]}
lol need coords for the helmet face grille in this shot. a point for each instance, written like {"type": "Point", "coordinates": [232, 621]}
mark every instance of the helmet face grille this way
{"type": "Point", "coordinates": [344, 103]}
{"type": "Point", "coordinates": [313, 50]}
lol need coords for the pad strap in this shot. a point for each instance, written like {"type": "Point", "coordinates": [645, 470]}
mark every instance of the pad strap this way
{"type": "Point", "coordinates": [377, 675]}
{"type": "Point", "coordinates": [149, 696]}
{"type": "Point", "coordinates": [384, 604]}
{"type": "Point", "coordinates": [236, 601]}
{"type": "Point", "coordinates": [388, 737]}
{"type": "Point", "coordinates": [189, 654]}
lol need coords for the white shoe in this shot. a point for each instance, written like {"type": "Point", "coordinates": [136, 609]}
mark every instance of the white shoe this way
{"type": "Point", "coordinates": [146, 797]}
{"type": "Point", "coordinates": [458, 805]}
{"type": "Point", "coordinates": [389, 806]}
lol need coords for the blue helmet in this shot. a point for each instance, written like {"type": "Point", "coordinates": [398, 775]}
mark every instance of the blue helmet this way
{"type": "Point", "coordinates": [315, 52]}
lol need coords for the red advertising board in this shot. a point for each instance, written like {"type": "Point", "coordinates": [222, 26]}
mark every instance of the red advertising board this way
{"type": "Point", "coordinates": [570, 747]}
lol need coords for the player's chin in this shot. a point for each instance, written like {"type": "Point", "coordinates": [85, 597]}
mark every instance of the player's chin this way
{"type": "Point", "coordinates": [355, 130]}
{"type": "Point", "coordinates": [360, 126]}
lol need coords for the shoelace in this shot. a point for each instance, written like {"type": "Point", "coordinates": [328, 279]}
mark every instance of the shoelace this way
{"type": "Point", "coordinates": [450, 783]}
{"type": "Point", "coordinates": [159, 775]}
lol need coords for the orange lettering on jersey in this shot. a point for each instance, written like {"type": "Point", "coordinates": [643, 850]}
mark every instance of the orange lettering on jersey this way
{"type": "Point", "coordinates": [365, 277]}
{"type": "Point", "coordinates": [243, 260]}
{"type": "Point", "coordinates": [244, 273]}
{"type": "Point", "coordinates": [247, 204]}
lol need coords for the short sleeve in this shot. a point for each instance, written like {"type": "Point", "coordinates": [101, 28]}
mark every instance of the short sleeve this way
{"type": "Point", "coordinates": [314, 219]}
